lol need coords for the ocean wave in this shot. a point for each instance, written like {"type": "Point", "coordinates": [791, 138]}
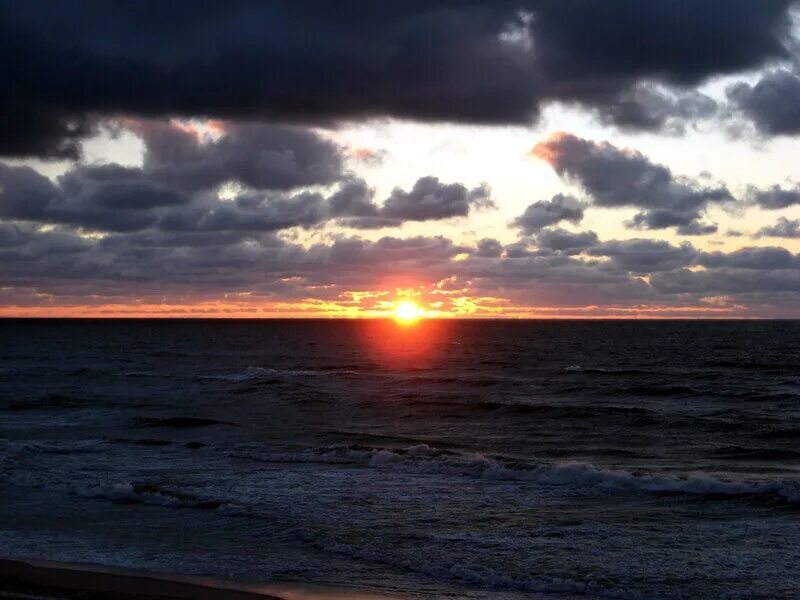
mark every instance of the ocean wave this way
{"type": "Point", "coordinates": [470, 382]}
{"type": "Point", "coordinates": [143, 374]}
{"type": "Point", "coordinates": [127, 492]}
{"type": "Point", "coordinates": [12, 451]}
{"type": "Point", "coordinates": [779, 434]}
{"type": "Point", "coordinates": [605, 370]}
{"type": "Point", "coordinates": [472, 573]}
{"type": "Point", "coordinates": [10, 447]}
{"type": "Point", "coordinates": [49, 401]}
{"type": "Point", "coordinates": [178, 422]}
{"type": "Point", "coordinates": [653, 390]}
{"type": "Point", "coordinates": [424, 459]}
{"type": "Point", "coordinates": [264, 373]}
{"type": "Point", "coordinates": [569, 411]}
{"type": "Point", "coordinates": [764, 454]}
{"type": "Point", "coordinates": [144, 493]}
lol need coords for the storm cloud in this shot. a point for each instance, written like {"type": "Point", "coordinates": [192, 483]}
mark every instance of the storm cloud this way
{"type": "Point", "coordinates": [63, 65]}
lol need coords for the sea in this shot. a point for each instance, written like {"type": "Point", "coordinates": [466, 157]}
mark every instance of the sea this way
{"type": "Point", "coordinates": [469, 459]}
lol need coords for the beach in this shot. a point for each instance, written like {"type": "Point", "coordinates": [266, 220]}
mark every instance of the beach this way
{"type": "Point", "coordinates": [27, 579]}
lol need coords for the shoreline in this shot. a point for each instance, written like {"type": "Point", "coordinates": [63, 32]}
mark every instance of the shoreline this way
{"type": "Point", "coordinates": [24, 578]}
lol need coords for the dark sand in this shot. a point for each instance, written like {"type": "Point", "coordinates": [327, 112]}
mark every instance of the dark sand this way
{"type": "Point", "coordinates": [23, 579]}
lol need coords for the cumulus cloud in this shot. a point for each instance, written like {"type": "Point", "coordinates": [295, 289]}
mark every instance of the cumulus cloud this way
{"type": "Point", "coordinates": [617, 177]}
{"type": "Point", "coordinates": [652, 108]}
{"type": "Point", "coordinates": [751, 258]}
{"type": "Point", "coordinates": [772, 103]}
{"type": "Point", "coordinates": [258, 155]}
{"type": "Point", "coordinates": [646, 256]}
{"type": "Point", "coordinates": [489, 248]}
{"type": "Point", "coordinates": [178, 186]}
{"type": "Point", "coordinates": [316, 61]}
{"type": "Point", "coordinates": [544, 213]}
{"type": "Point", "coordinates": [566, 241]}
{"type": "Point", "coordinates": [775, 197]}
{"type": "Point", "coordinates": [784, 228]}
{"type": "Point", "coordinates": [429, 199]}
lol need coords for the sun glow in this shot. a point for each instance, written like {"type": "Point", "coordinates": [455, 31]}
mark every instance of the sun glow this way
{"type": "Point", "coordinates": [407, 311]}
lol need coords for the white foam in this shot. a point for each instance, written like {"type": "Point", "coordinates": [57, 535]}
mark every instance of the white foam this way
{"type": "Point", "coordinates": [424, 459]}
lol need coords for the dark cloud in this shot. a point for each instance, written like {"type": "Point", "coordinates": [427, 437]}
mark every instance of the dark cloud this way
{"type": "Point", "coordinates": [566, 241]}
{"type": "Point", "coordinates": [489, 248]}
{"type": "Point", "coordinates": [114, 198]}
{"type": "Point", "coordinates": [24, 192]}
{"type": "Point", "coordinates": [430, 199]}
{"type": "Point", "coordinates": [784, 228]}
{"type": "Point", "coordinates": [697, 228]}
{"type": "Point", "coordinates": [544, 213]}
{"type": "Point", "coordinates": [775, 197]}
{"type": "Point", "coordinates": [772, 103]}
{"type": "Point", "coordinates": [751, 258]}
{"type": "Point", "coordinates": [260, 156]}
{"type": "Point", "coordinates": [62, 64]}
{"type": "Point", "coordinates": [646, 256]}
{"type": "Point", "coordinates": [628, 275]}
{"type": "Point", "coordinates": [650, 108]}
{"type": "Point", "coordinates": [615, 177]}
{"type": "Point", "coordinates": [176, 189]}
{"type": "Point", "coordinates": [747, 283]}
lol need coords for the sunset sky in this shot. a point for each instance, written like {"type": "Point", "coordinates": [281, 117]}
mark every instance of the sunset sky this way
{"type": "Point", "coordinates": [542, 158]}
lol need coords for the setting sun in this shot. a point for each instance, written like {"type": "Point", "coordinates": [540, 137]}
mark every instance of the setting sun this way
{"type": "Point", "coordinates": [407, 311]}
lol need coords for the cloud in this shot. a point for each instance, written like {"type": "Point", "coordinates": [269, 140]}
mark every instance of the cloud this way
{"type": "Point", "coordinates": [566, 241]}
{"type": "Point", "coordinates": [125, 200]}
{"type": "Point", "coordinates": [544, 213]}
{"type": "Point", "coordinates": [57, 266]}
{"type": "Point", "coordinates": [653, 108]}
{"type": "Point", "coordinates": [784, 228]}
{"type": "Point", "coordinates": [179, 185]}
{"type": "Point", "coordinates": [260, 156]}
{"type": "Point", "coordinates": [616, 177]}
{"type": "Point", "coordinates": [489, 248]}
{"type": "Point", "coordinates": [751, 258]}
{"type": "Point", "coordinates": [314, 61]}
{"type": "Point", "coordinates": [775, 197]}
{"type": "Point", "coordinates": [429, 199]}
{"type": "Point", "coordinates": [641, 256]}
{"type": "Point", "coordinates": [772, 103]}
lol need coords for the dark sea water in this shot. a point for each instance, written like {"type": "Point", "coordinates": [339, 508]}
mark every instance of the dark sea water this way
{"type": "Point", "coordinates": [533, 459]}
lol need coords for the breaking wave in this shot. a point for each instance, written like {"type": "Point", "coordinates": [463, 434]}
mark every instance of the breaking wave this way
{"type": "Point", "coordinates": [424, 459]}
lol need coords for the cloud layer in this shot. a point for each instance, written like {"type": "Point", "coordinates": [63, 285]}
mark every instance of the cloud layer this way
{"type": "Point", "coordinates": [244, 196]}
{"type": "Point", "coordinates": [62, 65]}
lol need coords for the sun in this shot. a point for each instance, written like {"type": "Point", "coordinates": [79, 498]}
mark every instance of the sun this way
{"type": "Point", "coordinates": [407, 311]}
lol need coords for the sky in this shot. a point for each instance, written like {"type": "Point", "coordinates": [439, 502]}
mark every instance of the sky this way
{"type": "Point", "coordinates": [529, 158]}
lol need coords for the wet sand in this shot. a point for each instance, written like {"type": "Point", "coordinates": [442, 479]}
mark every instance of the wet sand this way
{"type": "Point", "coordinates": [23, 579]}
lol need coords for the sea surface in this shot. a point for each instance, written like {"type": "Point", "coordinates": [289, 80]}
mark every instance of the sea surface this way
{"type": "Point", "coordinates": [443, 459]}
